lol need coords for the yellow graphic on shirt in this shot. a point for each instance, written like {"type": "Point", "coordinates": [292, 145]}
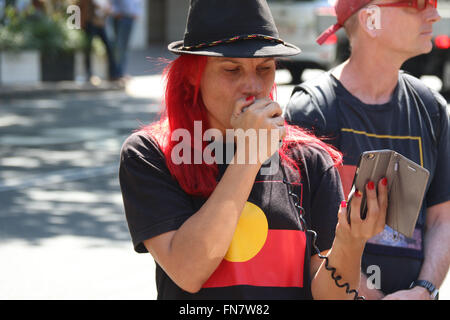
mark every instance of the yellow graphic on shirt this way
{"type": "Point", "coordinates": [250, 234]}
{"type": "Point", "coordinates": [385, 136]}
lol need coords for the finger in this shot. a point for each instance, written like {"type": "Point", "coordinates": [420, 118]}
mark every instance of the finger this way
{"type": "Point", "coordinates": [383, 200]}
{"type": "Point", "coordinates": [372, 201]}
{"type": "Point", "coordinates": [383, 193]}
{"type": "Point", "coordinates": [261, 108]}
{"type": "Point", "coordinates": [278, 121]}
{"type": "Point", "coordinates": [283, 132]}
{"type": "Point", "coordinates": [272, 110]}
{"type": "Point", "coordinates": [243, 104]}
{"type": "Point", "coordinates": [342, 215]}
{"type": "Point", "coordinates": [355, 212]}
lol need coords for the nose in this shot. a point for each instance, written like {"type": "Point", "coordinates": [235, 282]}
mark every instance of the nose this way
{"type": "Point", "coordinates": [432, 14]}
{"type": "Point", "coordinates": [252, 85]}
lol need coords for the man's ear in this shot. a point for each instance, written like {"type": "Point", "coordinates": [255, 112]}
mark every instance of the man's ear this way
{"type": "Point", "coordinates": [370, 20]}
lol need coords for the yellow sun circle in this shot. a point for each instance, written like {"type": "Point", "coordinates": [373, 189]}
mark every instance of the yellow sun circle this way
{"type": "Point", "coordinates": [250, 234]}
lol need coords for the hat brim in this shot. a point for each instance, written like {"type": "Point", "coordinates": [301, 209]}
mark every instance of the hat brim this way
{"type": "Point", "coordinates": [240, 49]}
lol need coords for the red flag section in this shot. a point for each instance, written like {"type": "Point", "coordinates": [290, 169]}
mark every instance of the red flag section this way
{"type": "Point", "coordinates": [279, 263]}
{"type": "Point", "coordinates": [347, 173]}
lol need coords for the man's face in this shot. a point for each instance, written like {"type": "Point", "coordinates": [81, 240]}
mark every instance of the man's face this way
{"type": "Point", "coordinates": [407, 31]}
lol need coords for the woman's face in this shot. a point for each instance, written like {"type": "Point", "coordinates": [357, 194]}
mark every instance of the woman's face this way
{"type": "Point", "coordinates": [225, 80]}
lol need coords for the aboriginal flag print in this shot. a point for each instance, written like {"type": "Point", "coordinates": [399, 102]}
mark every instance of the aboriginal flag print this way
{"type": "Point", "coordinates": [261, 254]}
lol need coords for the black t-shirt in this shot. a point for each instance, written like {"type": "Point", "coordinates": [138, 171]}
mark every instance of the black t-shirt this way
{"type": "Point", "coordinates": [276, 264]}
{"type": "Point", "coordinates": [398, 125]}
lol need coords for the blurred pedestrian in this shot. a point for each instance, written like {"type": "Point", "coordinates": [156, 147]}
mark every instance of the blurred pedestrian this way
{"type": "Point", "coordinates": [124, 15]}
{"type": "Point", "coordinates": [367, 103]}
{"type": "Point", "coordinates": [39, 5]}
{"type": "Point", "coordinates": [93, 20]}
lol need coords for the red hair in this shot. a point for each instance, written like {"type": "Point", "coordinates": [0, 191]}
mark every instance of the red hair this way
{"type": "Point", "coordinates": [183, 106]}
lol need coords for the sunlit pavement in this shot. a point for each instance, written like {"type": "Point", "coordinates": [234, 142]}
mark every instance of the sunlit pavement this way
{"type": "Point", "coordinates": [62, 229]}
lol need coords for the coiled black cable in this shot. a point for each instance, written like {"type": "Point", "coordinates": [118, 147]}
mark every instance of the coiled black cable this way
{"type": "Point", "coordinates": [304, 226]}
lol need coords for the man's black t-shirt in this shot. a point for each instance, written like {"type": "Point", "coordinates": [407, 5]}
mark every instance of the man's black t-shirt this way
{"type": "Point", "coordinates": [269, 256]}
{"type": "Point", "coordinates": [398, 125]}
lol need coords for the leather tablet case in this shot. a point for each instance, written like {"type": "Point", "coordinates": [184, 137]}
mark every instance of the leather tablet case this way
{"type": "Point", "coordinates": [407, 183]}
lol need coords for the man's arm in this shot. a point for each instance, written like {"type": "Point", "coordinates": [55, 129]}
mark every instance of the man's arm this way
{"type": "Point", "coordinates": [437, 254]}
{"type": "Point", "coordinates": [437, 244]}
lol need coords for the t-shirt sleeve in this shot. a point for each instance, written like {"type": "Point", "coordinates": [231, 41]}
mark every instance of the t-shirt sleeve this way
{"type": "Point", "coordinates": [154, 202]}
{"type": "Point", "coordinates": [325, 205]}
{"type": "Point", "coordinates": [326, 196]}
{"type": "Point", "coordinates": [439, 190]}
{"type": "Point", "coordinates": [303, 112]}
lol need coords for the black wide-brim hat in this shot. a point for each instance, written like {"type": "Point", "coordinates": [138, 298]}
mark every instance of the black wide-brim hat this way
{"type": "Point", "coordinates": [232, 28]}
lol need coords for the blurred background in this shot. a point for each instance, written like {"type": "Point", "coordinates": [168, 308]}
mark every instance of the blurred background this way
{"type": "Point", "coordinates": [76, 78]}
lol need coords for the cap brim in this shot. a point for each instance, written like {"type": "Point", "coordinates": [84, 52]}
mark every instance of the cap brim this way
{"type": "Point", "coordinates": [327, 33]}
{"type": "Point", "coordinates": [240, 49]}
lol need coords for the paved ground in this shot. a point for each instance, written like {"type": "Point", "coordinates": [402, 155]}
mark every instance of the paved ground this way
{"type": "Point", "coordinates": [62, 230]}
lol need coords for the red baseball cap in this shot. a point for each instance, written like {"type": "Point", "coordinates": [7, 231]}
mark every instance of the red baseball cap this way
{"type": "Point", "coordinates": [344, 10]}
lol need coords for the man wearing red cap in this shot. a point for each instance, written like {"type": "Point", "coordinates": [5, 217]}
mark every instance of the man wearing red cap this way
{"type": "Point", "coordinates": [367, 103]}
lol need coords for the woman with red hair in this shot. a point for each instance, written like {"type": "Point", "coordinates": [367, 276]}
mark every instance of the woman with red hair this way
{"type": "Point", "coordinates": [225, 212]}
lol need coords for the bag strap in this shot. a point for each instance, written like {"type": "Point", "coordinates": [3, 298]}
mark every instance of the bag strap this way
{"type": "Point", "coordinates": [322, 94]}
{"type": "Point", "coordinates": [429, 108]}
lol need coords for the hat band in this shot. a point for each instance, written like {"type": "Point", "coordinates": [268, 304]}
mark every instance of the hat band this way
{"type": "Point", "coordinates": [231, 40]}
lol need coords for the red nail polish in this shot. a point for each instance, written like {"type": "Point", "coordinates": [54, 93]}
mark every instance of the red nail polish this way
{"type": "Point", "coordinates": [250, 98]}
{"type": "Point", "coordinates": [371, 185]}
{"type": "Point", "coordinates": [358, 194]}
{"type": "Point", "coordinates": [343, 204]}
{"type": "Point", "coordinates": [384, 182]}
